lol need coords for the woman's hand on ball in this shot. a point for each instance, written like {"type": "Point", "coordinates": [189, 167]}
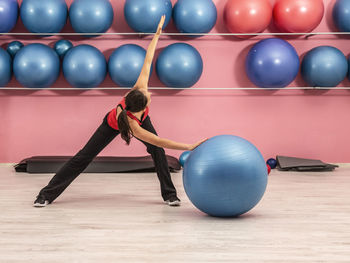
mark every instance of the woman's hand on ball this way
{"type": "Point", "coordinates": [160, 25]}
{"type": "Point", "coordinates": [195, 145]}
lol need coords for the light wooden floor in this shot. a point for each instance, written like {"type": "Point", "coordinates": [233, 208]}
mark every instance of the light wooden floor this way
{"type": "Point", "coordinates": [303, 217]}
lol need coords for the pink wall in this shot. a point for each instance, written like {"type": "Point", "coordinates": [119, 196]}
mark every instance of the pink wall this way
{"type": "Point", "coordinates": [310, 124]}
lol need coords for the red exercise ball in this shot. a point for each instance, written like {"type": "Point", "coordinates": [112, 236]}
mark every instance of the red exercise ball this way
{"type": "Point", "coordinates": [268, 168]}
{"type": "Point", "coordinates": [298, 16]}
{"type": "Point", "coordinates": [247, 16]}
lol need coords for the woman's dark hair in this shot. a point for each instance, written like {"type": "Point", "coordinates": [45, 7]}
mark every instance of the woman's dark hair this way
{"type": "Point", "coordinates": [135, 101]}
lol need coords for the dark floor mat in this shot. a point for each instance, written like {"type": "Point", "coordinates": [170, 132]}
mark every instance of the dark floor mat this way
{"type": "Point", "coordinates": [51, 164]}
{"type": "Point", "coordinates": [285, 163]}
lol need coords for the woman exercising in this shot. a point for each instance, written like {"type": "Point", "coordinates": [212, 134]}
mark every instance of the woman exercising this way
{"type": "Point", "coordinates": [130, 118]}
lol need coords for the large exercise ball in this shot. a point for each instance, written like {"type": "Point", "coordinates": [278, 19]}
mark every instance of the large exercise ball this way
{"type": "Point", "coordinates": [225, 176]}
{"type": "Point", "coordinates": [144, 15]}
{"type": "Point", "coordinates": [324, 66]}
{"type": "Point", "coordinates": [195, 16]}
{"type": "Point", "coordinates": [247, 16]}
{"type": "Point", "coordinates": [49, 16]}
{"type": "Point", "coordinates": [84, 66]}
{"type": "Point", "coordinates": [125, 64]}
{"type": "Point", "coordinates": [91, 16]}
{"type": "Point", "coordinates": [13, 47]}
{"type": "Point", "coordinates": [272, 63]}
{"type": "Point", "coordinates": [62, 47]}
{"type": "Point", "coordinates": [298, 15]}
{"type": "Point", "coordinates": [36, 66]}
{"type": "Point", "coordinates": [341, 15]}
{"type": "Point", "coordinates": [8, 15]}
{"type": "Point", "coordinates": [5, 67]}
{"type": "Point", "coordinates": [179, 65]}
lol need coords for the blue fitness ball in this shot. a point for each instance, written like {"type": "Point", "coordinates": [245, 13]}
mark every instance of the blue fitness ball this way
{"type": "Point", "coordinates": [195, 16]}
{"type": "Point", "coordinates": [125, 64]}
{"type": "Point", "coordinates": [183, 157]}
{"type": "Point", "coordinates": [272, 163]}
{"type": "Point", "coordinates": [324, 66]}
{"type": "Point", "coordinates": [62, 47]}
{"type": "Point", "coordinates": [14, 47]}
{"type": "Point", "coordinates": [84, 66]}
{"type": "Point", "coordinates": [349, 67]}
{"type": "Point", "coordinates": [36, 66]}
{"type": "Point", "coordinates": [272, 63]}
{"type": "Point", "coordinates": [91, 16]}
{"type": "Point", "coordinates": [5, 68]}
{"type": "Point", "coordinates": [144, 15]}
{"type": "Point", "coordinates": [8, 15]}
{"type": "Point", "coordinates": [341, 15]}
{"type": "Point", "coordinates": [225, 176]}
{"type": "Point", "coordinates": [179, 65]}
{"type": "Point", "coordinates": [49, 16]}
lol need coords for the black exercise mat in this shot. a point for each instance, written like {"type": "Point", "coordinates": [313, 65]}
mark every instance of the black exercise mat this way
{"type": "Point", "coordinates": [108, 164]}
{"type": "Point", "coordinates": [285, 163]}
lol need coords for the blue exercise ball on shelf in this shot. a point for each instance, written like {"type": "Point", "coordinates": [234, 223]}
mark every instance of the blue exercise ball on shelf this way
{"type": "Point", "coordinates": [225, 176]}
{"type": "Point", "coordinates": [272, 163]}
{"type": "Point", "coordinates": [5, 68]}
{"type": "Point", "coordinates": [144, 15]}
{"type": "Point", "coordinates": [84, 66]}
{"type": "Point", "coordinates": [36, 66]}
{"type": "Point", "coordinates": [341, 15]}
{"type": "Point", "coordinates": [272, 63]}
{"type": "Point", "coordinates": [8, 15]}
{"type": "Point", "coordinates": [349, 67]}
{"type": "Point", "coordinates": [14, 47]}
{"type": "Point", "coordinates": [324, 66]}
{"type": "Point", "coordinates": [49, 16]}
{"type": "Point", "coordinates": [62, 47]}
{"type": "Point", "coordinates": [183, 157]}
{"type": "Point", "coordinates": [91, 16]}
{"type": "Point", "coordinates": [179, 65]}
{"type": "Point", "coordinates": [125, 64]}
{"type": "Point", "coordinates": [195, 16]}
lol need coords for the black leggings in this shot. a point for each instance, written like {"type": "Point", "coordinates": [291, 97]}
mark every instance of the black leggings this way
{"type": "Point", "coordinates": [99, 140]}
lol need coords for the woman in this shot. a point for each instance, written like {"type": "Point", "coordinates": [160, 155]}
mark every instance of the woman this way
{"type": "Point", "coordinates": [130, 119]}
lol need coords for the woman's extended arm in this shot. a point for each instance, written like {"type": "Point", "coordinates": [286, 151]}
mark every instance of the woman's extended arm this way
{"type": "Point", "coordinates": [142, 81]}
{"type": "Point", "coordinates": [153, 139]}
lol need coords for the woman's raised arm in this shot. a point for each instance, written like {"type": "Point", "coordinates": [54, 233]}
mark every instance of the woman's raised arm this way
{"type": "Point", "coordinates": [142, 81]}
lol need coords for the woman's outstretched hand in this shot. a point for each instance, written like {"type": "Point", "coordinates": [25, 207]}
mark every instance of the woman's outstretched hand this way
{"type": "Point", "coordinates": [160, 25]}
{"type": "Point", "coordinates": [195, 145]}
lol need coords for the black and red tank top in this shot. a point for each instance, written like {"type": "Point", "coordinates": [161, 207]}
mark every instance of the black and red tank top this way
{"type": "Point", "coordinates": [112, 115]}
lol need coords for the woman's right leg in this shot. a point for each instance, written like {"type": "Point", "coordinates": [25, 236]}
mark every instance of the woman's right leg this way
{"type": "Point", "coordinates": [76, 165]}
{"type": "Point", "coordinates": [167, 187]}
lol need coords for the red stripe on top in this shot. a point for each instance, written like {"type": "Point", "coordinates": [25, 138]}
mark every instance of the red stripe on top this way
{"type": "Point", "coordinates": [112, 116]}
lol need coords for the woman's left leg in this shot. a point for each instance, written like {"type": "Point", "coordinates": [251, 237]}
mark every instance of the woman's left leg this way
{"type": "Point", "coordinates": [77, 164]}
